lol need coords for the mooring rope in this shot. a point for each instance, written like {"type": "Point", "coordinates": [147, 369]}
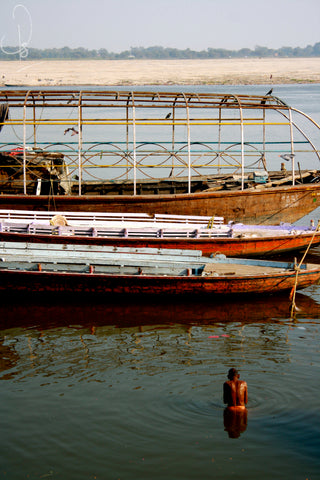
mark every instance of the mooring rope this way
{"type": "Point", "coordinates": [210, 223]}
{"type": "Point", "coordinates": [51, 196]}
{"type": "Point", "coordinates": [297, 269]}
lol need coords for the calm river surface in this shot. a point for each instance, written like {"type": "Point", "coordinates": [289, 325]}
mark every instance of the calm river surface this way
{"type": "Point", "coordinates": [127, 389]}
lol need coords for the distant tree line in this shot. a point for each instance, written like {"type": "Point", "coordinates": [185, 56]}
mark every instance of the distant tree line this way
{"type": "Point", "coordinates": [156, 52]}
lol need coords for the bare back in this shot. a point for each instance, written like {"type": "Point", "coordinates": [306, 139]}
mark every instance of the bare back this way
{"type": "Point", "coordinates": [235, 393]}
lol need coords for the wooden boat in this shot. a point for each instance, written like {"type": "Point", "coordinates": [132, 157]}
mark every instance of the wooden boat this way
{"type": "Point", "coordinates": [110, 270]}
{"type": "Point", "coordinates": [210, 235]}
{"type": "Point", "coordinates": [268, 206]}
{"type": "Point", "coordinates": [216, 153]}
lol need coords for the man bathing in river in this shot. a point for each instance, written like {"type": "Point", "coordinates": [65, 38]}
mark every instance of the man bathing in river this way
{"type": "Point", "coordinates": [235, 391]}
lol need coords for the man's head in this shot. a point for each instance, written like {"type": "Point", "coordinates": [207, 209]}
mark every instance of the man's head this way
{"type": "Point", "coordinates": [233, 373]}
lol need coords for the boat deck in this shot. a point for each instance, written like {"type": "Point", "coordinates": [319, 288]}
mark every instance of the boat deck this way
{"type": "Point", "coordinates": [216, 269]}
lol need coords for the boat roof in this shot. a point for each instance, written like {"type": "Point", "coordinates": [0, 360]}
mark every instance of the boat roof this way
{"type": "Point", "coordinates": [141, 99]}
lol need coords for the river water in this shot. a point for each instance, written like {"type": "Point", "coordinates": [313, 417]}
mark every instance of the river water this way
{"type": "Point", "coordinates": [128, 389]}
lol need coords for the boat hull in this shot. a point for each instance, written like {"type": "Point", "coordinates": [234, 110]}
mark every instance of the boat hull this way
{"type": "Point", "coordinates": [103, 284]}
{"type": "Point", "coordinates": [267, 206]}
{"type": "Point", "coordinates": [231, 247]}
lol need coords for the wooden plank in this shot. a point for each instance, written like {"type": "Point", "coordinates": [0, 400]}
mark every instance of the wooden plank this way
{"type": "Point", "coordinates": [212, 269]}
{"type": "Point", "coordinates": [122, 256]}
{"type": "Point", "coordinates": [112, 219]}
{"type": "Point", "coordinates": [29, 246]}
{"type": "Point", "coordinates": [170, 230]}
{"type": "Point", "coordinates": [86, 216]}
{"type": "Point", "coordinates": [39, 252]}
{"type": "Point", "coordinates": [253, 262]}
{"type": "Point", "coordinates": [45, 266]}
{"type": "Point", "coordinates": [91, 260]}
{"type": "Point", "coordinates": [147, 268]}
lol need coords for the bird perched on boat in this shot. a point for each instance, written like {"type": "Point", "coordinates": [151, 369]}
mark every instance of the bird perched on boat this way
{"type": "Point", "coordinates": [287, 156]}
{"type": "Point", "coordinates": [73, 96]}
{"type": "Point", "coordinates": [267, 94]}
{"type": "Point", "coordinates": [168, 116]}
{"type": "Point", "coordinates": [73, 130]}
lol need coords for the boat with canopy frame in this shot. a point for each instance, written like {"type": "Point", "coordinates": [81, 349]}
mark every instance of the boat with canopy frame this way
{"type": "Point", "coordinates": [158, 152]}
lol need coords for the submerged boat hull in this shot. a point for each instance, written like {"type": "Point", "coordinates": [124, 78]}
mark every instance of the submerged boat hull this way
{"type": "Point", "coordinates": [267, 206]}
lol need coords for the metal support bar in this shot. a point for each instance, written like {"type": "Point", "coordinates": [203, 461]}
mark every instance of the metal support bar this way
{"type": "Point", "coordinates": [134, 147]}
{"type": "Point", "coordinates": [292, 146]}
{"type": "Point", "coordinates": [34, 125]}
{"type": "Point", "coordinates": [189, 144]}
{"type": "Point", "coordinates": [242, 143]}
{"type": "Point", "coordinates": [25, 145]}
{"type": "Point", "coordinates": [127, 140]}
{"type": "Point", "coordinates": [24, 151]}
{"type": "Point", "coordinates": [219, 139]}
{"type": "Point", "coordinates": [80, 142]}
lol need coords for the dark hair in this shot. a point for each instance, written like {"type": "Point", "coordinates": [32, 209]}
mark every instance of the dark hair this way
{"type": "Point", "coordinates": [232, 373]}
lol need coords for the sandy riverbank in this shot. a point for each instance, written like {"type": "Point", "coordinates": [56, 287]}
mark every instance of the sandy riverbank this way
{"type": "Point", "coordinates": [160, 72]}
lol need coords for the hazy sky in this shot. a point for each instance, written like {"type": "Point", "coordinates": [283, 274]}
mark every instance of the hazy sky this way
{"type": "Point", "coordinates": [118, 25]}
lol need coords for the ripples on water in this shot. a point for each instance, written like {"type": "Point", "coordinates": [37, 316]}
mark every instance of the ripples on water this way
{"type": "Point", "coordinates": [106, 390]}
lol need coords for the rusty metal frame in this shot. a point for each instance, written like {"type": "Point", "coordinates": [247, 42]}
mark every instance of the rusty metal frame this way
{"type": "Point", "coordinates": [65, 98]}
{"type": "Point", "coordinates": [175, 101]}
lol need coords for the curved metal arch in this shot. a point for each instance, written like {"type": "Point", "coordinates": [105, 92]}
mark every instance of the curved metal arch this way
{"type": "Point", "coordinates": [301, 131]}
{"type": "Point", "coordinates": [242, 140]}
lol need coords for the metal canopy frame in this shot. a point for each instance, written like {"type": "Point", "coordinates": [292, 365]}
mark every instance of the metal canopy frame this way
{"type": "Point", "coordinates": [185, 109]}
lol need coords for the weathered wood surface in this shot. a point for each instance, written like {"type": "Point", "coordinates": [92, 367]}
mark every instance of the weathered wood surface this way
{"type": "Point", "coordinates": [105, 255]}
{"type": "Point", "coordinates": [199, 183]}
{"type": "Point", "coordinates": [268, 206]}
{"type": "Point", "coordinates": [103, 284]}
{"type": "Point", "coordinates": [48, 168]}
{"type": "Point", "coordinates": [108, 270]}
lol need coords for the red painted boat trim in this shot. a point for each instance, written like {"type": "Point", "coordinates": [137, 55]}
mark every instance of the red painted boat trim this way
{"type": "Point", "coordinates": [231, 247]}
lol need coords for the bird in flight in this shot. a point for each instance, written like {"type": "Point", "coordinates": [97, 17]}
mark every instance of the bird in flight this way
{"type": "Point", "coordinates": [287, 156]}
{"type": "Point", "coordinates": [73, 130]}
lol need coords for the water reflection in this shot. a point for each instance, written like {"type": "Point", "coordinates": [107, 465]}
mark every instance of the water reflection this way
{"type": "Point", "coordinates": [235, 421]}
{"type": "Point", "coordinates": [141, 382]}
{"type": "Point", "coordinates": [53, 311]}
{"type": "Point", "coordinates": [102, 336]}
